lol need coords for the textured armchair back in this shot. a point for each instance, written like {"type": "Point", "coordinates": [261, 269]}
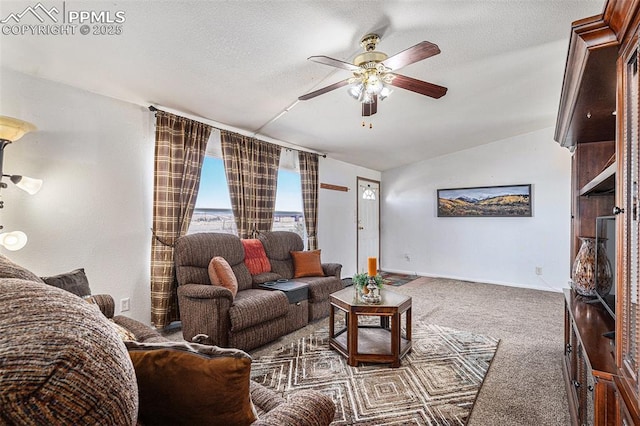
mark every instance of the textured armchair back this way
{"type": "Point", "coordinates": [62, 361]}
{"type": "Point", "coordinates": [277, 245]}
{"type": "Point", "coordinates": [194, 252]}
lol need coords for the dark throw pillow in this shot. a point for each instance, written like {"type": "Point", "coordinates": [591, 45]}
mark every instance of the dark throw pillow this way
{"type": "Point", "coordinates": [75, 282]}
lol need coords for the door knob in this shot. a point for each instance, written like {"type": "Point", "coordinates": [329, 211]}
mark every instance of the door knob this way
{"type": "Point", "coordinates": [360, 228]}
{"type": "Point", "coordinates": [617, 210]}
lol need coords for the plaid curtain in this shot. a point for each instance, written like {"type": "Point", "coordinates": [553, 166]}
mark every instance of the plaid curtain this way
{"type": "Point", "coordinates": [251, 166]}
{"type": "Point", "coordinates": [180, 149]}
{"type": "Point", "coordinates": [309, 182]}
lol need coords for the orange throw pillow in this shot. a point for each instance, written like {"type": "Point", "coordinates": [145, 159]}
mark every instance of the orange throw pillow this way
{"type": "Point", "coordinates": [221, 274]}
{"type": "Point", "coordinates": [255, 257]}
{"type": "Point", "coordinates": [307, 264]}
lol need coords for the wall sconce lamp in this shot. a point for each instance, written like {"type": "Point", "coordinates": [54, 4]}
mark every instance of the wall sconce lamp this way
{"type": "Point", "coordinates": [12, 129]}
{"type": "Point", "coordinates": [13, 240]}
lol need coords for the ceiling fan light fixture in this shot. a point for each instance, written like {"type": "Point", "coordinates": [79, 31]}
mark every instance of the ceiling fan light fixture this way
{"type": "Point", "coordinates": [374, 85]}
{"type": "Point", "coordinates": [373, 72]}
{"type": "Point", "coordinates": [368, 98]}
{"type": "Point", "coordinates": [384, 93]}
{"type": "Point", "coordinates": [366, 89]}
{"type": "Point", "coordinates": [356, 90]}
{"type": "Point", "coordinates": [382, 69]}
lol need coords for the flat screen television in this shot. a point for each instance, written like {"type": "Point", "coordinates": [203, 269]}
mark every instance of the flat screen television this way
{"type": "Point", "coordinates": [606, 232]}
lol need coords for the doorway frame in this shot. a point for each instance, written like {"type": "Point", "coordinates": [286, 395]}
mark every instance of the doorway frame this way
{"type": "Point", "coordinates": [358, 180]}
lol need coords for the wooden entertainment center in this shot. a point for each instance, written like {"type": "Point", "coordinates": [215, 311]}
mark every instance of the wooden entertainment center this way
{"type": "Point", "coordinates": [599, 121]}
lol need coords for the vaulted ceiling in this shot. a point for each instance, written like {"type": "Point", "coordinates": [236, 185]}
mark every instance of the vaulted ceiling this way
{"type": "Point", "coordinates": [244, 64]}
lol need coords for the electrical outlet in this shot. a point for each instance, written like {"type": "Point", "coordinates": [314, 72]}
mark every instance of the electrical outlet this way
{"type": "Point", "coordinates": [538, 270]}
{"type": "Point", "coordinates": [125, 304]}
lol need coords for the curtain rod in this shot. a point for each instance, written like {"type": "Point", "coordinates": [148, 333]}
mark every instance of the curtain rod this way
{"type": "Point", "coordinates": [220, 126]}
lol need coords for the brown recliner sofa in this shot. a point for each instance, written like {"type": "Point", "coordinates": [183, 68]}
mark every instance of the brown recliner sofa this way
{"type": "Point", "coordinates": [255, 316]}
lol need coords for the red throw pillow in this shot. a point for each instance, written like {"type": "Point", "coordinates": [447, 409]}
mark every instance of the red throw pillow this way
{"type": "Point", "coordinates": [307, 264]}
{"type": "Point", "coordinates": [255, 257]}
{"type": "Point", "coordinates": [220, 273]}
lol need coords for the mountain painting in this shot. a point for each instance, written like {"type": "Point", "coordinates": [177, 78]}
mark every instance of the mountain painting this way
{"type": "Point", "coordinates": [502, 201]}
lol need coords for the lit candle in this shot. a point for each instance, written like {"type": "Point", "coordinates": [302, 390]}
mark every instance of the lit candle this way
{"type": "Point", "coordinates": [373, 267]}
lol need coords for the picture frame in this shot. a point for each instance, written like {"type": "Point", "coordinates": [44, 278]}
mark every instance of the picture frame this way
{"type": "Point", "coordinates": [486, 201]}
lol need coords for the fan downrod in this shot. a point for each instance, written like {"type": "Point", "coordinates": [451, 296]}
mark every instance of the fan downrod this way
{"type": "Point", "coordinates": [369, 42]}
{"type": "Point", "coordinates": [370, 57]}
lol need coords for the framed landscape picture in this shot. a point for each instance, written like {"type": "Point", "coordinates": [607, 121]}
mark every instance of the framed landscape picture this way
{"type": "Point", "coordinates": [485, 201]}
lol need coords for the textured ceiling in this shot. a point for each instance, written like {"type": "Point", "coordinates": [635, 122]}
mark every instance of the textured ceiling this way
{"type": "Point", "coordinates": [242, 63]}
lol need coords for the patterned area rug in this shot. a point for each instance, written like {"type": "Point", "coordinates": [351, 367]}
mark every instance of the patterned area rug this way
{"type": "Point", "coordinates": [437, 383]}
{"type": "Point", "coordinates": [396, 280]}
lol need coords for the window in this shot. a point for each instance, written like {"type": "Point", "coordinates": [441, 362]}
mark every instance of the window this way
{"type": "Point", "coordinates": [369, 194]}
{"type": "Point", "coordinates": [213, 207]}
{"type": "Point", "coordinates": [288, 215]}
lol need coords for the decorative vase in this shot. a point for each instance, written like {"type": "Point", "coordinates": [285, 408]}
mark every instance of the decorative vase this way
{"type": "Point", "coordinates": [586, 280]}
{"type": "Point", "coordinates": [372, 296]}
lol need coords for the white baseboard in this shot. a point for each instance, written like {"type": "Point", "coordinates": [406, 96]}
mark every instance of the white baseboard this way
{"type": "Point", "coordinates": [543, 287]}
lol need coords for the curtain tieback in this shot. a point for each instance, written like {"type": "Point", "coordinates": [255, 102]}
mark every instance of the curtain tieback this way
{"type": "Point", "coordinates": [162, 241]}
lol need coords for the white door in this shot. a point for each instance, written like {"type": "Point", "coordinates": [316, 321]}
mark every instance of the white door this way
{"type": "Point", "coordinates": [368, 222]}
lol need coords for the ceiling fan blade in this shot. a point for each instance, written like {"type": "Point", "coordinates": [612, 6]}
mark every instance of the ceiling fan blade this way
{"type": "Point", "coordinates": [370, 109]}
{"type": "Point", "coordinates": [418, 86]}
{"type": "Point", "coordinates": [324, 90]}
{"type": "Point", "coordinates": [420, 51]}
{"type": "Point", "coordinates": [334, 63]}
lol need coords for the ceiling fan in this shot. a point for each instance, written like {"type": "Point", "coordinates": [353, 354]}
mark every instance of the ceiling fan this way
{"type": "Point", "coordinates": [373, 72]}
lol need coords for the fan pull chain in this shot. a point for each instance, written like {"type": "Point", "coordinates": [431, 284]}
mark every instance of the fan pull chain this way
{"type": "Point", "coordinates": [370, 125]}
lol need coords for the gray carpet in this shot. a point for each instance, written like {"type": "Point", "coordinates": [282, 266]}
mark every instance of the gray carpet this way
{"type": "Point", "coordinates": [524, 385]}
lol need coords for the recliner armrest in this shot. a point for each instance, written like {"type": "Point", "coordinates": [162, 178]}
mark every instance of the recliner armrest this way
{"type": "Point", "coordinates": [202, 291]}
{"type": "Point", "coordinates": [304, 408]}
{"type": "Point", "coordinates": [143, 332]}
{"type": "Point", "coordinates": [104, 302]}
{"type": "Point", "coordinates": [204, 309]}
{"type": "Point", "coordinates": [332, 269]}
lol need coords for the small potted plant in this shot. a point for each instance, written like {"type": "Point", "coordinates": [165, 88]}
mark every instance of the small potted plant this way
{"type": "Point", "coordinates": [361, 280]}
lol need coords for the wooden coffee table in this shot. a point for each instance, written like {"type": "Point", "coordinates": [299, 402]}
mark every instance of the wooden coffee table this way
{"type": "Point", "coordinates": [382, 343]}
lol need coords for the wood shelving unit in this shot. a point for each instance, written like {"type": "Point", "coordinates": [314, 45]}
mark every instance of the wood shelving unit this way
{"type": "Point", "coordinates": [589, 361]}
{"type": "Point", "coordinates": [598, 121]}
{"type": "Point", "coordinates": [603, 184]}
